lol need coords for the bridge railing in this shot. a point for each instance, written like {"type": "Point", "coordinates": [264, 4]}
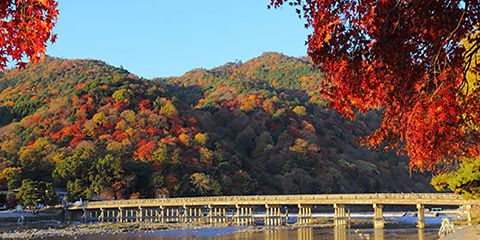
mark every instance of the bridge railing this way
{"type": "Point", "coordinates": [279, 198]}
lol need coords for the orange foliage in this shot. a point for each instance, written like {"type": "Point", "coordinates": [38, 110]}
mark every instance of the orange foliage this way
{"type": "Point", "coordinates": [25, 29]}
{"type": "Point", "coordinates": [145, 150]}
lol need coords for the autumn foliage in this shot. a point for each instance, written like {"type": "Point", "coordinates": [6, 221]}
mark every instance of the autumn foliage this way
{"type": "Point", "coordinates": [406, 58]}
{"type": "Point", "coordinates": [26, 27]}
{"type": "Point", "coordinates": [242, 128]}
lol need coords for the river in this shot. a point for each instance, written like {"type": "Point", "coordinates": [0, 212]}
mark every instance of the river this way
{"type": "Point", "coordinates": [400, 226]}
{"type": "Point", "coordinates": [244, 233]}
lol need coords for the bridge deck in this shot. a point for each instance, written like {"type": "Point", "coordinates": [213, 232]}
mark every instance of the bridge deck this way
{"type": "Point", "coordinates": [312, 199]}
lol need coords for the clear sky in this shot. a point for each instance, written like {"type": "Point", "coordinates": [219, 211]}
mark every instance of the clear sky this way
{"type": "Point", "coordinates": [155, 38]}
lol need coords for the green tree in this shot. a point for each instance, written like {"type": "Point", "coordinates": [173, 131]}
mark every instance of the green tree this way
{"type": "Point", "coordinates": [123, 95]}
{"type": "Point", "coordinates": [264, 143]}
{"type": "Point", "coordinates": [176, 159]}
{"type": "Point", "coordinates": [201, 138]}
{"type": "Point", "coordinates": [169, 109]}
{"type": "Point", "coordinates": [12, 176]}
{"type": "Point", "coordinates": [100, 118]}
{"type": "Point", "coordinates": [75, 170]}
{"type": "Point", "coordinates": [161, 154]}
{"type": "Point", "coordinates": [204, 184]}
{"type": "Point", "coordinates": [206, 156]}
{"type": "Point", "coordinates": [108, 171]}
{"type": "Point", "coordinates": [300, 110]}
{"type": "Point", "coordinates": [31, 193]}
{"type": "Point", "coordinates": [35, 159]}
{"type": "Point", "coordinates": [465, 180]}
{"type": "Point", "coordinates": [245, 140]}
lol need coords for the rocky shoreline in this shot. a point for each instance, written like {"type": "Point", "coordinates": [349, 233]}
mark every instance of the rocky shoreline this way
{"type": "Point", "coordinates": [88, 229]}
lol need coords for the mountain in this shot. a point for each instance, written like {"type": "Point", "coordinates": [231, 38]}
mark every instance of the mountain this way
{"type": "Point", "coordinates": [257, 127]}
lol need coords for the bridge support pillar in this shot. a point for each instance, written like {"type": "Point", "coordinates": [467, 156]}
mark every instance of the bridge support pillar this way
{"type": "Point", "coordinates": [101, 218]}
{"type": "Point", "coordinates": [134, 214]}
{"type": "Point", "coordinates": [339, 216]}
{"type": "Point", "coordinates": [236, 218]}
{"type": "Point", "coordinates": [193, 214]}
{"type": "Point", "coordinates": [242, 216]}
{"type": "Point", "coordinates": [309, 213]}
{"type": "Point", "coordinates": [160, 210]}
{"type": "Point", "coordinates": [277, 213]}
{"type": "Point", "coordinates": [84, 216]}
{"type": "Point", "coordinates": [300, 214]}
{"type": "Point", "coordinates": [139, 215]}
{"type": "Point", "coordinates": [146, 215]}
{"type": "Point", "coordinates": [177, 215]}
{"type": "Point", "coordinates": [225, 216]}
{"type": "Point", "coordinates": [273, 215]}
{"type": "Point", "coordinates": [113, 215]}
{"type": "Point", "coordinates": [468, 210]}
{"type": "Point", "coordinates": [218, 214]}
{"type": "Point", "coordinates": [280, 216]}
{"type": "Point", "coordinates": [267, 215]}
{"type": "Point", "coordinates": [152, 215]}
{"type": "Point", "coordinates": [210, 215]}
{"type": "Point", "coordinates": [120, 215]}
{"type": "Point", "coordinates": [215, 215]}
{"type": "Point", "coordinates": [304, 214]}
{"type": "Point", "coordinates": [169, 214]}
{"type": "Point", "coordinates": [187, 214]}
{"type": "Point", "coordinates": [251, 219]}
{"type": "Point", "coordinates": [421, 215]}
{"type": "Point", "coordinates": [378, 220]}
{"type": "Point", "coordinates": [196, 214]}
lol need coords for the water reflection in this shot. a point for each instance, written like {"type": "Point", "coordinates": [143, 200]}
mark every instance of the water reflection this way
{"type": "Point", "coordinates": [421, 234]}
{"type": "Point", "coordinates": [378, 234]}
{"type": "Point", "coordinates": [340, 233]}
{"type": "Point", "coordinates": [304, 233]}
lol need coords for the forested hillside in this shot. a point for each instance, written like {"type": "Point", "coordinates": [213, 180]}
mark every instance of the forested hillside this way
{"type": "Point", "coordinates": [242, 128]}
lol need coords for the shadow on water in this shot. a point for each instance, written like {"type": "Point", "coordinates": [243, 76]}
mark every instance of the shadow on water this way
{"type": "Point", "coordinates": [302, 233]}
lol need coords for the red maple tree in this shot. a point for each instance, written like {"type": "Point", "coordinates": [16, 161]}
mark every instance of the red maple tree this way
{"type": "Point", "coordinates": [408, 59]}
{"type": "Point", "coordinates": [26, 26]}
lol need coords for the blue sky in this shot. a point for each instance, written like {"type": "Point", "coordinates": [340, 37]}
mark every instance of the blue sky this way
{"type": "Point", "coordinates": [155, 38]}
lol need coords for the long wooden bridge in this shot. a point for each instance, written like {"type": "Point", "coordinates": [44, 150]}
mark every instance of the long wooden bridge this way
{"type": "Point", "coordinates": [244, 210]}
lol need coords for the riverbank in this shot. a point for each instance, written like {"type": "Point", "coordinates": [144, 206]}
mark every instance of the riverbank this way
{"type": "Point", "coordinates": [88, 229]}
{"type": "Point", "coordinates": [464, 232]}
{"type": "Point", "coordinates": [11, 216]}
{"type": "Point", "coordinates": [122, 228]}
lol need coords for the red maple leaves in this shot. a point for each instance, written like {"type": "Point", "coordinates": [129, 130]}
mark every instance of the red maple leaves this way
{"type": "Point", "coordinates": [406, 58]}
{"type": "Point", "coordinates": [26, 26]}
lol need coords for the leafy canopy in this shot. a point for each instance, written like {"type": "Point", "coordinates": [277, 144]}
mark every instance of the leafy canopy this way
{"type": "Point", "coordinates": [407, 58]}
{"type": "Point", "coordinates": [26, 26]}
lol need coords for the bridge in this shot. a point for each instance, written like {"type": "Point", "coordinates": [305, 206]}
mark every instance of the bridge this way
{"type": "Point", "coordinates": [244, 210]}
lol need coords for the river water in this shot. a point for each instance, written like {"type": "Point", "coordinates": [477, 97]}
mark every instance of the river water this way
{"type": "Point", "coordinates": [242, 233]}
{"type": "Point", "coordinates": [402, 227]}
